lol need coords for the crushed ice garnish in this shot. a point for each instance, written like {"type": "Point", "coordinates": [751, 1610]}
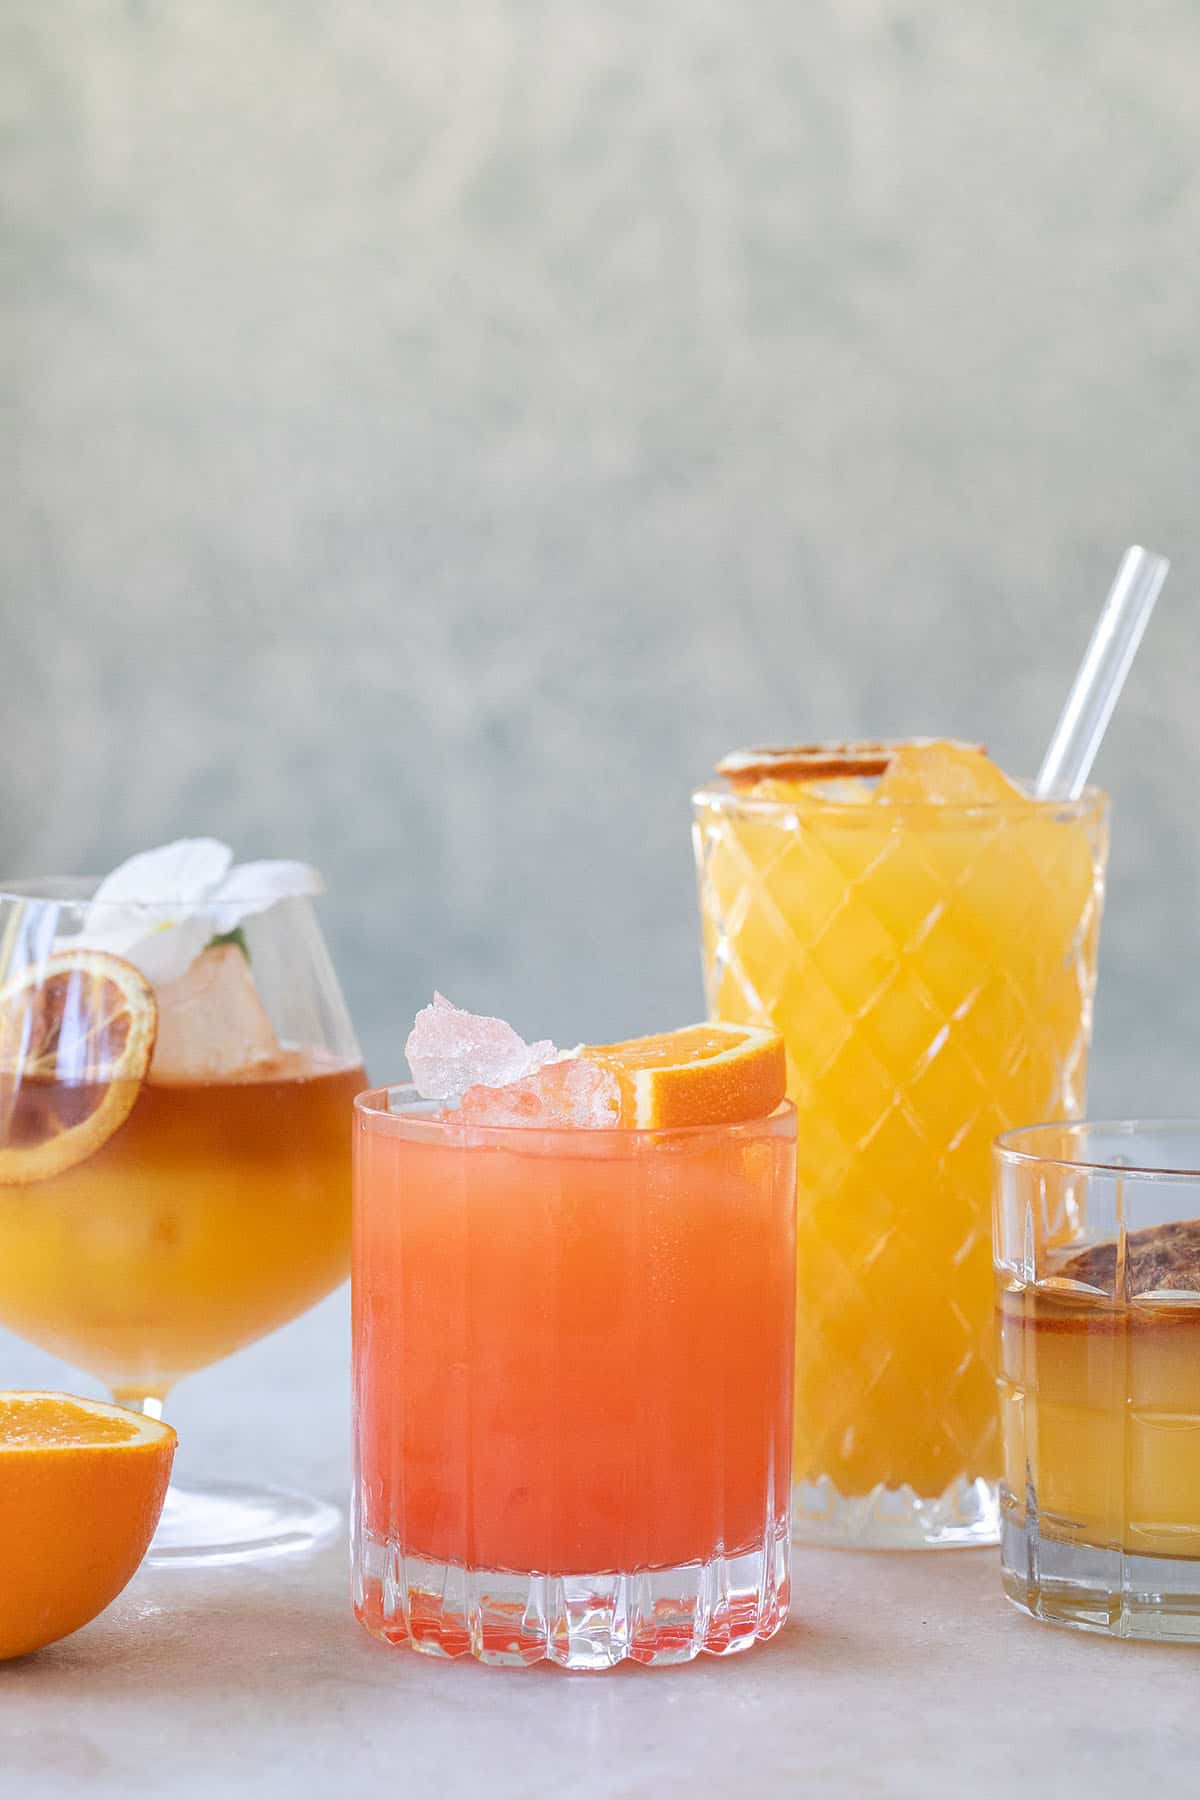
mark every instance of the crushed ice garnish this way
{"type": "Point", "coordinates": [571, 1093]}
{"type": "Point", "coordinates": [450, 1051]}
{"type": "Point", "coordinates": [160, 909]}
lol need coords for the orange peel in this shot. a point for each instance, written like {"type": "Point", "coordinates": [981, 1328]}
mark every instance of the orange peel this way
{"type": "Point", "coordinates": [714, 1074]}
{"type": "Point", "coordinates": [82, 1483]}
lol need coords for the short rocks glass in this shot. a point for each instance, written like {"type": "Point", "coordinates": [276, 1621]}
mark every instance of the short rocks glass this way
{"type": "Point", "coordinates": [573, 1385]}
{"type": "Point", "coordinates": [1098, 1297]}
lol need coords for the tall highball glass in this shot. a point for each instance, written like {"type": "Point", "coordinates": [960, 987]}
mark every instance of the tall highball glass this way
{"type": "Point", "coordinates": [931, 967]}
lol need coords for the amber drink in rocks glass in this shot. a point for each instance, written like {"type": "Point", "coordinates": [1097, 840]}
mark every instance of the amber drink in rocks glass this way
{"type": "Point", "coordinates": [1098, 1310]}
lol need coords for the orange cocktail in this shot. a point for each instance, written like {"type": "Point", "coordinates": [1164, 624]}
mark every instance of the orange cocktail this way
{"type": "Point", "coordinates": [176, 1075]}
{"type": "Point", "coordinates": [218, 1211]}
{"type": "Point", "coordinates": [924, 936]}
{"type": "Point", "coordinates": [573, 1366]}
{"type": "Point", "coordinates": [1097, 1243]}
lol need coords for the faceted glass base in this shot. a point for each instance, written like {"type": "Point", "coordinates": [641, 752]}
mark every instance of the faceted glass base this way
{"type": "Point", "coordinates": [1098, 1589]}
{"type": "Point", "coordinates": [224, 1522]}
{"type": "Point", "coordinates": [656, 1616]}
{"type": "Point", "coordinates": [966, 1516]}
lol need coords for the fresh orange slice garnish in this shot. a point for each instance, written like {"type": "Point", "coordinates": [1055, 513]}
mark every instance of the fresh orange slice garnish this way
{"type": "Point", "coordinates": [76, 1038]}
{"type": "Point", "coordinates": [81, 1486]}
{"type": "Point", "coordinates": [701, 1075]}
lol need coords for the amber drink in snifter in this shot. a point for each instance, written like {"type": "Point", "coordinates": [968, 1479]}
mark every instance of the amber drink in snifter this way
{"type": "Point", "coordinates": [175, 1084]}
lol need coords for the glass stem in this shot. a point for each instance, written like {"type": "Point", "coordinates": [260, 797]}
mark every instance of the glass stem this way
{"type": "Point", "coordinates": [137, 1401]}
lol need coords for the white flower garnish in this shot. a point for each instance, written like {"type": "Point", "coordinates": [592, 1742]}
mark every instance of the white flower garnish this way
{"type": "Point", "coordinates": [160, 908]}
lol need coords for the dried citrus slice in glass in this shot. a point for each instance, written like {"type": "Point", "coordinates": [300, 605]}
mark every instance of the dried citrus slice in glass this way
{"type": "Point", "coordinates": [701, 1075]}
{"type": "Point", "coordinates": [82, 1485]}
{"type": "Point", "coordinates": [823, 762]}
{"type": "Point", "coordinates": [76, 1036]}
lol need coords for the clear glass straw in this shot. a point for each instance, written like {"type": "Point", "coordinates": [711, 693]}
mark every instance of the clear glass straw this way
{"type": "Point", "coordinates": [1101, 676]}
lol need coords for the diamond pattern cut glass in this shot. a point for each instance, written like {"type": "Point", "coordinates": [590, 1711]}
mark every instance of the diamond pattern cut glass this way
{"type": "Point", "coordinates": [932, 969]}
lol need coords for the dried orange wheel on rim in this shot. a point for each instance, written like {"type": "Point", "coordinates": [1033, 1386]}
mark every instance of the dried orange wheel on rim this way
{"type": "Point", "coordinates": [712, 1074]}
{"type": "Point", "coordinates": [82, 1484]}
{"type": "Point", "coordinates": [818, 762]}
{"type": "Point", "coordinates": [76, 1037]}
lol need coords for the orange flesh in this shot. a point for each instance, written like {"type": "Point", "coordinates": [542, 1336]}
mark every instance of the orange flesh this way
{"type": "Point", "coordinates": [81, 1490]}
{"type": "Point", "coordinates": [665, 1049]}
{"type": "Point", "coordinates": [217, 1211]}
{"type": "Point", "coordinates": [44, 1424]}
{"type": "Point", "coordinates": [700, 1077]}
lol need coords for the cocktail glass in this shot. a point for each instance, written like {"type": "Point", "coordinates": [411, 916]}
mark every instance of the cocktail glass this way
{"type": "Point", "coordinates": [572, 1378]}
{"type": "Point", "coordinates": [217, 1210]}
{"type": "Point", "coordinates": [931, 967]}
{"type": "Point", "coordinates": [1098, 1298]}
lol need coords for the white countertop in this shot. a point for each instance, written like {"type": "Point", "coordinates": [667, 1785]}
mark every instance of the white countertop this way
{"type": "Point", "coordinates": [903, 1675]}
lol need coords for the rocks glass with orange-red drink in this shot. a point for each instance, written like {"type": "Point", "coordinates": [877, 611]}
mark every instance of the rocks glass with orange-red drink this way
{"type": "Point", "coordinates": [573, 1342]}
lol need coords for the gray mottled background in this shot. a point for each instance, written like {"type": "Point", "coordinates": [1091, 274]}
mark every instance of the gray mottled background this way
{"type": "Point", "coordinates": [433, 432]}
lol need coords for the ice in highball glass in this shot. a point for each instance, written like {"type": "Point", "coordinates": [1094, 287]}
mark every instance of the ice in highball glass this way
{"type": "Point", "coordinates": [176, 1073]}
{"type": "Point", "coordinates": [924, 935]}
{"type": "Point", "coordinates": [573, 1345]}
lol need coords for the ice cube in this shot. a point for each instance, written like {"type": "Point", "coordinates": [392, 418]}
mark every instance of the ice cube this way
{"type": "Point", "coordinates": [572, 1093]}
{"type": "Point", "coordinates": [450, 1051]}
{"type": "Point", "coordinates": [945, 774]}
{"type": "Point", "coordinates": [211, 1023]}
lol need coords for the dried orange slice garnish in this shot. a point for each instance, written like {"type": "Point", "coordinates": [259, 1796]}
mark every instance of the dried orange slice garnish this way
{"type": "Point", "coordinates": [76, 1038]}
{"type": "Point", "coordinates": [81, 1487]}
{"type": "Point", "coordinates": [701, 1075]}
{"type": "Point", "coordinates": [817, 762]}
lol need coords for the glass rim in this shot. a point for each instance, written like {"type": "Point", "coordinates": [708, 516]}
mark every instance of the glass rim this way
{"type": "Point", "coordinates": [426, 1126]}
{"type": "Point", "coordinates": [77, 891]}
{"type": "Point", "coordinates": [1007, 1148]}
{"type": "Point", "coordinates": [1093, 802]}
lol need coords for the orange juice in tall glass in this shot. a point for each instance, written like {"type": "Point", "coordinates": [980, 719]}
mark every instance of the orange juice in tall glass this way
{"type": "Point", "coordinates": [924, 935]}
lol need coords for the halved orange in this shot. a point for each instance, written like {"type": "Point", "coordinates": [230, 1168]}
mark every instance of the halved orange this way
{"type": "Point", "coordinates": [82, 1484]}
{"type": "Point", "coordinates": [700, 1075]}
{"type": "Point", "coordinates": [76, 1037]}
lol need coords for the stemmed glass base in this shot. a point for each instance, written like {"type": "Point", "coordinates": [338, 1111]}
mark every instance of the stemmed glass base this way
{"type": "Point", "coordinates": [207, 1523]}
{"type": "Point", "coordinates": [213, 1522]}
